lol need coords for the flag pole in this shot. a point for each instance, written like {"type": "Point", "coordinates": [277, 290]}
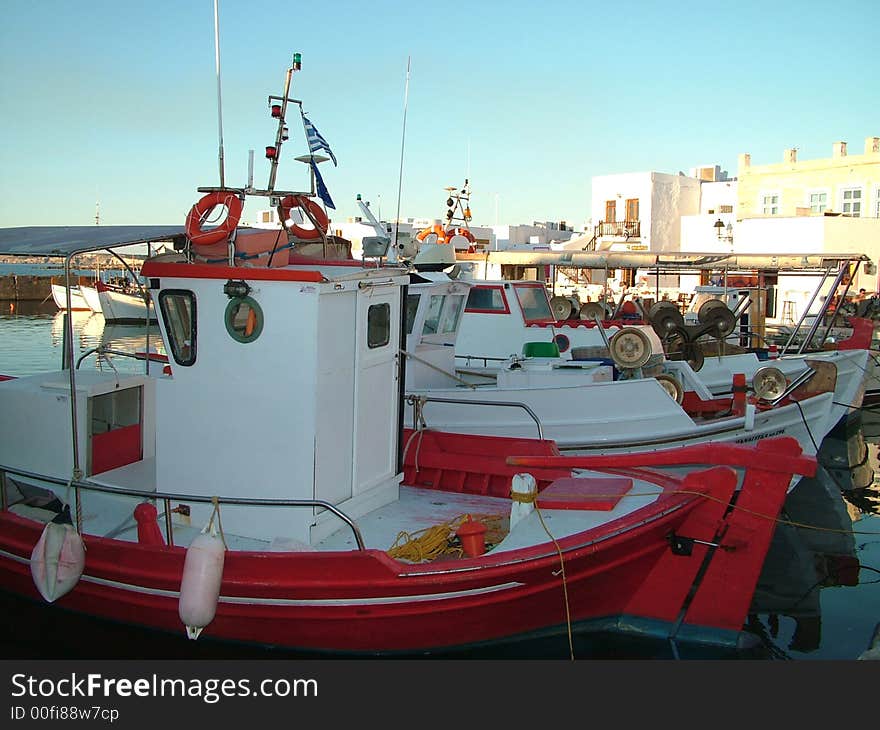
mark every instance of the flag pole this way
{"type": "Point", "coordinates": [219, 102]}
{"type": "Point", "coordinates": [402, 141]}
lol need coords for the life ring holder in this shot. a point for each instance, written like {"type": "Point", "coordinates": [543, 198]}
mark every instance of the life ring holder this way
{"type": "Point", "coordinates": [198, 215]}
{"type": "Point", "coordinates": [313, 212]}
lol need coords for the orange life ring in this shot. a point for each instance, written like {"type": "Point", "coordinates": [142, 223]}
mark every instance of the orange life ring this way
{"type": "Point", "coordinates": [436, 229]}
{"type": "Point", "coordinates": [199, 213]}
{"type": "Point", "coordinates": [461, 232]}
{"type": "Point", "coordinates": [301, 201]}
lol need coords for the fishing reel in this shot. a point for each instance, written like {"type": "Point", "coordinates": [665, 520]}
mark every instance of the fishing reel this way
{"type": "Point", "coordinates": [681, 340]}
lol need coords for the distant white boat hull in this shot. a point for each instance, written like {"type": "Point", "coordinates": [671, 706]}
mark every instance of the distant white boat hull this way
{"type": "Point", "coordinates": [122, 307]}
{"type": "Point", "coordinates": [90, 294]}
{"type": "Point", "coordinates": [77, 301]}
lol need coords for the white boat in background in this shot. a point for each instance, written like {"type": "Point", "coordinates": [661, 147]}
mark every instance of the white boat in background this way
{"type": "Point", "coordinates": [78, 302]}
{"type": "Point", "coordinates": [592, 405]}
{"type": "Point", "coordinates": [122, 306]}
{"type": "Point", "coordinates": [90, 294]}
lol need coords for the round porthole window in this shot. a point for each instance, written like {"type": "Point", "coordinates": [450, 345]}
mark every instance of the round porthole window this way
{"type": "Point", "coordinates": [244, 319]}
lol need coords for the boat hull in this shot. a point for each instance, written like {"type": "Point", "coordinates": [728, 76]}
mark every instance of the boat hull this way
{"type": "Point", "coordinates": [77, 301]}
{"type": "Point", "coordinates": [364, 602]}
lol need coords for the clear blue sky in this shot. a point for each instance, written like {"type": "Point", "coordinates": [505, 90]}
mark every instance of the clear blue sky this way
{"type": "Point", "coordinates": [116, 100]}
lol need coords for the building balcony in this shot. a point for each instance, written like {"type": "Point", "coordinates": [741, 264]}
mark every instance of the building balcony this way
{"type": "Point", "coordinates": [619, 229]}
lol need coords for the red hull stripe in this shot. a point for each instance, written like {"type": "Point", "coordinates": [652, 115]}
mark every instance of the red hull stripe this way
{"type": "Point", "coordinates": [210, 271]}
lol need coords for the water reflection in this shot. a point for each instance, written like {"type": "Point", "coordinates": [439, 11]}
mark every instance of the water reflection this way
{"type": "Point", "coordinates": [823, 558]}
{"type": "Point", "coordinates": [33, 339]}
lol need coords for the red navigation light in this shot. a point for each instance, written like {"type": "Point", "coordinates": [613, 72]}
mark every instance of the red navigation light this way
{"type": "Point", "coordinates": [271, 153]}
{"type": "Point", "coordinates": [276, 110]}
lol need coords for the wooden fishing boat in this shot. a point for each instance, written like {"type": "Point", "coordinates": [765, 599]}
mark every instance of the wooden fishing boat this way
{"type": "Point", "coordinates": [261, 489]}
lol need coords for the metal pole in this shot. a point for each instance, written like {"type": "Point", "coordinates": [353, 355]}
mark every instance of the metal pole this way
{"type": "Point", "coordinates": [71, 370]}
{"type": "Point", "coordinates": [402, 142]}
{"type": "Point", "coordinates": [805, 312]}
{"type": "Point", "coordinates": [273, 168]}
{"type": "Point", "coordinates": [822, 312]}
{"type": "Point", "coordinates": [219, 101]}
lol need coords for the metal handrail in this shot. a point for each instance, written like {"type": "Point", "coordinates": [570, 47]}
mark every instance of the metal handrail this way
{"type": "Point", "coordinates": [102, 350]}
{"type": "Point", "coordinates": [415, 400]}
{"type": "Point", "coordinates": [180, 497]}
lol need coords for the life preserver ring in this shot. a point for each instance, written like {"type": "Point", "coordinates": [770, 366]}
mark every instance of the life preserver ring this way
{"type": "Point", "coordinates": [436, 229]}
{"type": "Point", "coordinates": [317, 213]}
{"type": "Point", "coordinates": [199, 213]}
{"type": "Point", "coordinates": [461, 232]}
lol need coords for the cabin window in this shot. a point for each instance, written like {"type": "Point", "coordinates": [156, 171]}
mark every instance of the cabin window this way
{"type": "Point", "coordinates": [487, 299]}
{"type": "Point", "coordinates": [412, 308]}
{"type": "Point", "coordinates": [378, 325]}
{"type": "Point", "coordinates": [534, 304]}
{"type": "Point", "coordinates": [179, 315]}
{"type": "Point", "coordinates": [444, 312]}
{"type": "Point", "coordinates": [244, 319]}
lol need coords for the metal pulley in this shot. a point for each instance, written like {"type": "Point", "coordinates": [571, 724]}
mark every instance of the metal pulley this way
{"type": "Point", "coordinates": [672, 386]}
{"type": "Point", "coordinates": [704, 313]}
{"type": "Point", "coordinates": [716, 314]}
{"type": "Point", "coordinates": [679, 346]}
{"type": "Point", "coordinates": [591, 310]}
{"type": "Point", "coordinates": [630, 348]}
{"type": "Point", "coordinates": [561, 307]}
{"type": "Point", "coordinates": [769, 383]}
{"type": "Point", "coordinates": [665, 317]}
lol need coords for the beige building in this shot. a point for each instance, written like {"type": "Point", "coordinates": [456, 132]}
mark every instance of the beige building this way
{"type": "Point", "coordinates": [843, 184]}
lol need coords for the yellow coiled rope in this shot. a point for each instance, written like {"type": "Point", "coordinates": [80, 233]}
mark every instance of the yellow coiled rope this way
{"type": "Point", "coordinates": [432, 542]}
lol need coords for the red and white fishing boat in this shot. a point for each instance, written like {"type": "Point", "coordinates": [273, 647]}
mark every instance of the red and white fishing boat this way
{"type": "Point", "coordinates": [261, 488]}
{"type": "Point", "coordinates": [505, 319]}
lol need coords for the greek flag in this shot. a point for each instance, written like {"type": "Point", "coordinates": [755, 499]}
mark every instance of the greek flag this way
{"type": "Point", "coordinates": [315, 140]}
{"type": "Point", "coordinates": [323, 193]}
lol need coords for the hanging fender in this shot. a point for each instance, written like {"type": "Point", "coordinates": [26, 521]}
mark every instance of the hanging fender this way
{"type": "Point", "coordinates": [57, 560]}
{"type": "Point", "coordinates": [198, 214]}
{"type": "Point", "coordinates": [200, 584]}
{"type": "Point", "coordinates": [301, 201]}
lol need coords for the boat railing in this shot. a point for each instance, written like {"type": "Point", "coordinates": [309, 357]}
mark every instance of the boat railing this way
{"type": "Point", "coordinates": [102, 350]}
{"type": "Point", "coordinates": [418, 403]}
{"type": "Point", "coordinates": [167, 498]}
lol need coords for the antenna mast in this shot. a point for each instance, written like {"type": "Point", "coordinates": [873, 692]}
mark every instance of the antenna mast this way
{"type": "Point", "coordinates": [219, 102]}
{"type": "Point", "coordinates": [402, 140]}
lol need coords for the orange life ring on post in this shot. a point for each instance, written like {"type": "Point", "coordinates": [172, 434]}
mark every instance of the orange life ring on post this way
{"type": "Point", "coordinates": [461, 232]}
{"type": "Point", "coordinates": [199, 213]}
{"type": "Point", "coordinates": [301, 201]}
{"type": "Point", "coordinates": [436, 229]}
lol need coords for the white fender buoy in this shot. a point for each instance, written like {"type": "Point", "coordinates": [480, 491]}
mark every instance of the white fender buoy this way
{"type": "Point", "coordinates": [523, 490]}
{"type": "Point", "coordinates": [200, 584]}
{"type": "Point", "coordinates": [57, 560]}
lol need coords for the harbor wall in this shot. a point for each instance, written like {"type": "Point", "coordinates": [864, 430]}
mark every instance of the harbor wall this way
{"type": "Point", "coordinates": [18, 288]}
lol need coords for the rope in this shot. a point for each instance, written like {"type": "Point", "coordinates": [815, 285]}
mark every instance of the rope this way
{"type": "Point", "coordinates": [215, 500]}
{"type": "Point", "coordinates": [532, 497]}
{"type": "Point", "coordinates": [432, 542]}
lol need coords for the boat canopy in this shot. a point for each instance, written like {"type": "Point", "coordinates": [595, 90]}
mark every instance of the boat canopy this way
{"type": "Point", "coordinates": [681, 261]}
{"type": "Point", "coordinates": [68, 240]}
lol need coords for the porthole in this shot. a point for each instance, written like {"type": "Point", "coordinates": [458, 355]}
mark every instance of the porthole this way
{"type": "Point", "coordinates": [244, 319]}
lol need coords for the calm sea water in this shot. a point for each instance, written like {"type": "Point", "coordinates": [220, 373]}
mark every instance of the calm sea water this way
{"type": "Point", "coordinates": [819, 593]}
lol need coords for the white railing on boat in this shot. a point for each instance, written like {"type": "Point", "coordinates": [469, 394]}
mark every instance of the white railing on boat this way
{"type": "Point", "coordinates": [418, 403]}
{"type": "Point", "coordinates": [167, 497]}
